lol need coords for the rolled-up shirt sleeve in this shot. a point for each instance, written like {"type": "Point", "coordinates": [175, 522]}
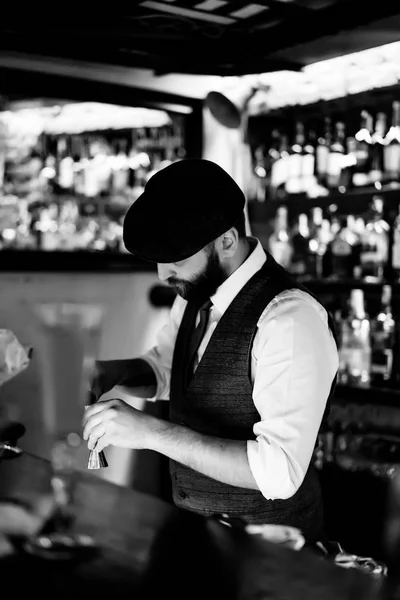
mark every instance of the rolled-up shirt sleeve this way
{"type": "Point", "coordinates": [295, 360]}
{"type": "Point", "coordinates": [160, 355]}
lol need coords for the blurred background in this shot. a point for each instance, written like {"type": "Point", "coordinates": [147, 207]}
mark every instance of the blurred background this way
{"type": "Point", "coordinates": [300, 102]}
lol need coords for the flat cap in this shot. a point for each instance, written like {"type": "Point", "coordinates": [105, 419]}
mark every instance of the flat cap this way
{"type": "Point", "coordinates": [184, 207]}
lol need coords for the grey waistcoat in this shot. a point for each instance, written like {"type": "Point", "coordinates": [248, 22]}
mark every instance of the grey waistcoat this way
{"type": "Point", "coordinates": [218, 402]}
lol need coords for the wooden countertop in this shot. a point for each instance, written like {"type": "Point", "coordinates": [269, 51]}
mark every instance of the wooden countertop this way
{"type": "Point", "coordinates": [150, 549]}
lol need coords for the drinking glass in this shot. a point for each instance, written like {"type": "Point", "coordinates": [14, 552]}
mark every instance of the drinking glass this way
{"type": "Point", "coordinates": [68, 342]}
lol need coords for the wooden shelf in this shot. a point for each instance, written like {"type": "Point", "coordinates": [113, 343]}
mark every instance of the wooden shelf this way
{"type": "Point", "coordinates": [384, 396]}
{"type": "Point", "coordinates": [350, 202]}
{"type": "Point", "coordinates": [343, 285]}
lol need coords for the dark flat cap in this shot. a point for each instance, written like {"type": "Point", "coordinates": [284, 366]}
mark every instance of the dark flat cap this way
{"type": "Point", "coordinates": [184, 207]}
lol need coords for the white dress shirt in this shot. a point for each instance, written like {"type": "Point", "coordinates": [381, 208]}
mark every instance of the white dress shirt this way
{"type": "Point", "coordinates": [294, 360]}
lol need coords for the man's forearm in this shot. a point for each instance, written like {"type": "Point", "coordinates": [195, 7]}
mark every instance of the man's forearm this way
{"type": "Point", "coordinates": [218, 458]}
{"type": "Point", "coordinates": [133, 373]}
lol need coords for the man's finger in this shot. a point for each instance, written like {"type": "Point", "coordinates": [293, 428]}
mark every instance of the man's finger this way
{"type": "Point", "coordinates": [94, 420]}
{"type": "Point", "coordinates": [99, 407]}
{"type": "Point", "coordinates": [102, 443]}
{"type": "Point", "coordinates": [94, 436]}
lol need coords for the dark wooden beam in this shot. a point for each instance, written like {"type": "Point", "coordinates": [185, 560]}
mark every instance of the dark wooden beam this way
{"type": "Point", "coordinates": [31, 84]}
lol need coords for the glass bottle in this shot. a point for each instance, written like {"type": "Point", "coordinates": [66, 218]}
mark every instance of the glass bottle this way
{"type": "Point", "coordinates": [280, 170]}
{"type": "Point", "coordinates": [349, 162]}
{"type": "Point", "coordinates": [294, 183]}
{"type": "Point", "coordinates": [337, 152]}
{"type": "Point", "coordinates": [271, 157]}
{"type": "Point", "coordinates": [260, 172]}
{"type": "Point", "coordinates": [377, 149]}
{"type": "Point", "coordinates": [395, 376]}
{"type": "Point", "coordinates": [355, 350]}
{"type": "Point", "coordinates": [375, 243]}
{"type": "Point", "coordinates": [382, 339]}
{"type": "Point", "coordinates": [65, 164]}
{"type": "Point", "coordinates": [308, 175]}
{"type": "Point", "coordinates": [361, 175]}
{"type": "Point", "coordinates": [396, 248]}
{"type": "Point", "coordinates": [322, 152]}
{"type": "Point", "coordinates": [326, 236]}
{"type": "Point", "coordinates": [279, 242]}
{"type": "Point", "coordinates": [391, 155]}
{"type": "Point", "coordinates": [316, 244]}
{"type": "Point", "coordinates": [343, 250]}
{"type": "Point", "coordinates": [300, 242]}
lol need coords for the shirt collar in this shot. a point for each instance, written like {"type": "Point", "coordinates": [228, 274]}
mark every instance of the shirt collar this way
{"type": "Point", "coordinates": [238, 279]}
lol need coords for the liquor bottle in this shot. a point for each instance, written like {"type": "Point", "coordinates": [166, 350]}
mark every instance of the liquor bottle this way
{"type": "Point", "coordinates": [317, 243]}
{"type": "Point", "coordinates": [391, 156]}
{"type": "Point", "coordinates": [358, 227]}
{"type": "Point", "coordinates": [395, 377]}
{"type": "Point", "coordinates": [294, 183]}
{"type": "Point", "coordinates": [375, 243]}
{"type": "Point", "coordinates": [349, 162]}
{"type": "Point", "coordinates": [308, 175]}
{"type": "Point", "coordinates": [280, 170]}
{"type": "Point", "coordinates": [273, 150]}
{"type": "Point", "coordinates": [382, 339]}
{"type": "Point", "coordinates": [279, 243]}
{"type": "Point", "coordinates": [300, 244]}
{"type": "Point", "coordinates": [362, 169]}
{"type": "Point", "coordinates": [337, 152]}
{"type": "Point", "coordinates": [396, 248]}
{"type": "Point", "coordinates": [355, 349]}
{"type": "Point", "coordinates": [343, 251]}
{"type": "Point", "coordinates": [376, 174]}
{"type": "Point", "coordinates": [260, 182]}
{"type": "Point", "coordinates": [65, 165]}
{"type": "Point", "coordinates": [272, 155]}
{"type": "Point", "coordinates": [326, 237]}
{"type": "Point", "coordinates": [322, 152]}
{"type": "Point", "coordinates": [317, 217]}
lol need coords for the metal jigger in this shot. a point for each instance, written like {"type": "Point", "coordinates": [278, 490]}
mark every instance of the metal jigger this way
{"type": "Point", "coordinates": [97, 460]}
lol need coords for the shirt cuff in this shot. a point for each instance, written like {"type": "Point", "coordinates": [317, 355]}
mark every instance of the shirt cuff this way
{"type": "Point", "coordinates": [162, 389]}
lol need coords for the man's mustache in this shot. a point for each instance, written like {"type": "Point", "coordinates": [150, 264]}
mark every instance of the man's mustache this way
{"type": "Point", "coordinates": [174, 281]}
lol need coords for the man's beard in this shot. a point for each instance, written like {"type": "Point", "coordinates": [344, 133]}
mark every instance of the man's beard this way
{"type": "Point", "coordinates": [205, 284]}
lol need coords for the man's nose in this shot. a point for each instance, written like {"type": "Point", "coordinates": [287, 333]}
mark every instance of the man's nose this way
{"type": "Point", "coordinates": [164, 271]}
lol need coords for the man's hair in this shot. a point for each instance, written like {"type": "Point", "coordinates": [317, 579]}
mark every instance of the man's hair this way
{"type": "Point", "coordinates": [240, 225]}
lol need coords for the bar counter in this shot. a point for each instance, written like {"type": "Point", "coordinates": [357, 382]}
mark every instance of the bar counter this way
{"type": "Point", "coordinates": [148, 549]}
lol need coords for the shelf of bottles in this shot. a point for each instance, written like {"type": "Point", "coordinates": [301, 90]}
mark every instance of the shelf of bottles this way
{"type": "Point", "coordinates": [326, 203]}
{"type": "Point", "coordinates": [71, 192]}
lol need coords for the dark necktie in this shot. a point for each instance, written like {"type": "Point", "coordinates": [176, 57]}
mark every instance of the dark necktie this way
{"type": "Point", "coordinates": [195, 339]}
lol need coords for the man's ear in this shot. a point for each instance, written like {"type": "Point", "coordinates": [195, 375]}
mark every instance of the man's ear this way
{"type": "Point", "coordinates": [230, 240]}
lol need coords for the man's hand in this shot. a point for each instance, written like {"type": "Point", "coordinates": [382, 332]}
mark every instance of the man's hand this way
{"type": "Point", "coordinates": [116, 423]}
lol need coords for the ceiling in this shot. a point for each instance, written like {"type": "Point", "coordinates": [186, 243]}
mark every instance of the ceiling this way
{"type": "Point", "coordinates": [207, 37]}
